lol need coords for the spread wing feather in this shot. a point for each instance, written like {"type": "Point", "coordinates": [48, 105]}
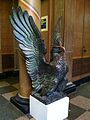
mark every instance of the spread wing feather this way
{"type": "Point", "coordinates": [29, 38]}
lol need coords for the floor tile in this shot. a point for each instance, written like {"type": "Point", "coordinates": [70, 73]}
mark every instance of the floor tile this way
{"type": "Point", "coordinates": [32, 119]}
{"type": "Point", "coordinates": [85, 116]}
{"type": "Point", "coordinates": [12, 80]}
{"type": "Point", "coordinates": [2, 101]}
{"type": "Point", "coordinates": [81, 102]}
{"type": "Point", "coordinates": [9, 95]}
{"type": "Point", "coordinates": [29, 116]}
{"type": "Point", "coordinates": [7, 89]}
{"type": "Point", "coordinates": [84, 90]}
{"type": "Point", "coordinates": [72, 95]}
{"type": "Point", "coordinates": [9, 112]}
{"type": "Point", "coordinates": [75, 112]}
{"type": "Point", "coordinates": [16, 85]}
{"type": "Point", "coordinates": [23, 118]}
{"type": "Point", "coordinates": [79, 108]}
{"type": "Point", "coordinates": [3, 84]}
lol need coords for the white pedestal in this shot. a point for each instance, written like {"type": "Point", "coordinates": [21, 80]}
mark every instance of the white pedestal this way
{"type": "Point", "coordinates": [57, 110]}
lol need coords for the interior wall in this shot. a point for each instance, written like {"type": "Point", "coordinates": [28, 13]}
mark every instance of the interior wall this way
{"type": "Point", "coordinates": [0, 64]}
{"type": "Point", "coordinates": [6, 37]}
{"type": "Point", "coordinates": [47, 9]}
{"type": "Point", "coordinates": [44, 12]}
{"type": "Point", "coordinates": [68, 33]}
{"type": "Point", "coordinates": [81, 41]}
{"type": "Point", "coordinates": [77, 37]}
{"type": "Point", "coordinates": [59, 12]}
{"type": "Point", "coordinates": [0, 47]}
{"type": "Point", "coordinates": [15, 43]}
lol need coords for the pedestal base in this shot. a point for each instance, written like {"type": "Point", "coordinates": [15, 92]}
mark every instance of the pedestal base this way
{"type": "Point", "coordinates": [21, 103]}
{"type": "Point", "coordinates": [57, 110]}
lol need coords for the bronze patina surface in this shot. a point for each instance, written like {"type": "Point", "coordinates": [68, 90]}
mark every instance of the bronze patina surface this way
{"type": "Point", "coordinates": [48, 79]}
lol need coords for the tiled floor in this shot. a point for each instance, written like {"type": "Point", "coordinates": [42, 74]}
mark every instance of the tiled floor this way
{"type": "Point", "coordinates": [79, 108]}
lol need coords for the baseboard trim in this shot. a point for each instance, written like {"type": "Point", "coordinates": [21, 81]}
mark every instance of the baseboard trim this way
{"type": "Point", "coordinates": [82, 81]}
{"type": "Point", "coordinates": [8, 74]}
{"type": "Point", "coordinates": [72, 86]}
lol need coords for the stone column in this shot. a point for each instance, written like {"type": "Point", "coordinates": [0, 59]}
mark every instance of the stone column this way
{"type": "Point", "coordinates": [21, 100]}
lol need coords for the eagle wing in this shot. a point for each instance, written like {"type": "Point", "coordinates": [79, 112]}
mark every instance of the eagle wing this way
{"type": "Point", "coordinates": [30, 42]}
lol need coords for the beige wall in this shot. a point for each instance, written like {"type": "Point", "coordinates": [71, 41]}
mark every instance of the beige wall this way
{"type": "Point", "coordinates": [59, 9]}
{"type": "Point", "coordinates": [0, 64]}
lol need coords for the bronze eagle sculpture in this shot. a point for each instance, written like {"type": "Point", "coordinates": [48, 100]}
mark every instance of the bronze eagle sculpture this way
{"type": "Point", "coordinates": [48, 79]}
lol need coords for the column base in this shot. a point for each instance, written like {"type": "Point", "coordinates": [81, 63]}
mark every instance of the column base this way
{"type": "Point", "coordinates": [21, 103]}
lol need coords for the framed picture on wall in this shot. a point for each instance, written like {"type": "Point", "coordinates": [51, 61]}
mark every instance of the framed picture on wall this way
{"type": "Point", "coordinates": [44, 23]}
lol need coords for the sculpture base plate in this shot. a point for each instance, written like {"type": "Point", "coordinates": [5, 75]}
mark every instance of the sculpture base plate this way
{"type": "Point", "coordinates": [70, 87]}
{"type": "Point", "coordinates": [20, 103]}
